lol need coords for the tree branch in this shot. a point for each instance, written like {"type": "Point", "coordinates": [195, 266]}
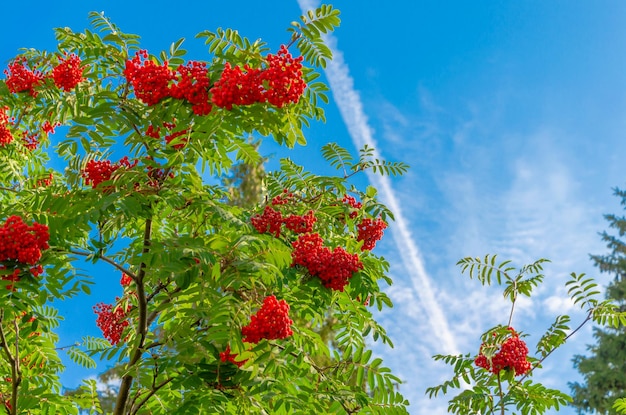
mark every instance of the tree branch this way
{"type": "Point", "coordinates": [150, 394]}
{"type": "Point", "coordinates": [16, 374]}
{"type": "Point", "coordinates": [127, 379]}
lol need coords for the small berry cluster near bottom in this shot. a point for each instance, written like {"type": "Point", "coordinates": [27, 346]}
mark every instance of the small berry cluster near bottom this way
{"type": "Point", "coordinates": [512, 354]}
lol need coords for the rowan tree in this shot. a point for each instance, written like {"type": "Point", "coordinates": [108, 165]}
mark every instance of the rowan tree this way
{"type": "Point", "coordinates": [225, 299]}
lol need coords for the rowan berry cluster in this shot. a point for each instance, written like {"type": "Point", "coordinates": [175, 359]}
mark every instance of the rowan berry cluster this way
{"type": "Point", "coordinates": [237, 86]}
{"type": "Point", "coordinates": [300, 223]}
{"type": "Point", "coordinates": [126, 280]}
{"type": "Point", "coordinates": [270, 221]}
{"type": "Point", "coordinates": [48, 127]}
{"type": "Point", "coordinates": [334, 268]}
{"type": "Point", "coordinates": [68, 73]}
{"type": "Point", "coordinates": [279, 83]}
{"type": "Point", "coordinates": [20, 247]}
{"type": "Point", "coordinates": [271, 322]}
{"type": "Point", "coordinates": [149, 80]}
{"type": "Point", "coordinates": [227, 356]}
{"type": "Point", "coordinates": [30, 140]}
{"type": "Point", "coordinates": [283, 76]}
{"type": "Point", "coordinates": [192, 84]}
{"type": "Point", "coordinates": [6, 137]}
{"type": "Point", "coordinates": [370, 231]}
{"type": "Point", "coordinates": [111, 320]}
{"type": "Point", "coordinates": [45, 181]}
{"type": "Point", "coordinates": [22, 243]}
{"type": "Point", "coordinates": [98, 171]}
{"type": "Point", "coordinates": [512, 355]}
{"type": "Point", "coordinates": [22, 79]}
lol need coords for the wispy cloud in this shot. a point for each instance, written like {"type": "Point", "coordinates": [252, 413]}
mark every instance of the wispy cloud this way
{"type": "Point", "coordinates": [350, 107]}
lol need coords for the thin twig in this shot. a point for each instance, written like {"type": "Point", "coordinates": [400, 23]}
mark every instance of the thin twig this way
{"type": "Point", "coordinates": [102, 257]}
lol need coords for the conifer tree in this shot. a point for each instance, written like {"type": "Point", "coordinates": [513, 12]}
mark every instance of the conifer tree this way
{"type": "Point", "coordinates": [604, 370]}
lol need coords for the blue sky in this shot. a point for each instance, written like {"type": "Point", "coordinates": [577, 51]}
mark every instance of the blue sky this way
{"type": "Point", "coordinates": [511, 114]}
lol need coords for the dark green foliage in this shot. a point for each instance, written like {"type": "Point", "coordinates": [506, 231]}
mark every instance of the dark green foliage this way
{"type": "Point", "coordinates": [604, 369]}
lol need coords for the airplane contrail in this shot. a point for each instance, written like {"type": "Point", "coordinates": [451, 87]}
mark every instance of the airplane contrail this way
{"type": "Point", "coordinates": [351, 109]}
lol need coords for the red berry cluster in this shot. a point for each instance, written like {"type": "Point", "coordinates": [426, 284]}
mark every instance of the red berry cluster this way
{"type": "Point", "coordinates": [300, 223]}
{"type": "Point", "coordinates": [356, 206]}
{"type": "Point", "coordinates": [270, 322]}
{"type": "Point", "coordinates": [512, 355]}
{"type": "Point", "coordinates": [22, 243]}
{"type": "Point", "coordinates": [192, 84]}
{"type": "Point", "coordinates": [48, 128]}
{"type": "Point", "coordinates": [21, 79]}
{"type": "Point", "coordinates": [279, 83]}
{"type": "Point", "coordinates": [227, 356]}
{"type": "Point", "coordinates": [282, 199]}
{"type": "Point", "coordinates": [98, 171]}
{"type": "Point", "coordinates": [68, 73]}
{"type": "Point", "coordinates": [30, 140]}
{"type": "Point", "coordinates": [149, 80]}
{"type": "Point", "coordinates": [126, 280]}
{"type": "Point", "coordinates": [271, 220]}
{"type": "Point", "coordinates": [45, 181]}
{"type": "Point", "coordinates": [283, 77]}
{"type": "Point", "coordinates": [237, 87]}
{"type": "Point", "coordinates": [111, 320]}
{"type": "Point", "coordinates": [6, 137]}
{"type": "Point", "coordinates": [370, 231]}
{"type": "Point", "coordinates": [334, 268]}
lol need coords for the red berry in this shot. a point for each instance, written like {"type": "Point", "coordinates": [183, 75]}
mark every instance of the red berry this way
{"type": "Point", "coordinates": [350, 201]}
{"type": "Point", "coordinates": [98, 171]}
